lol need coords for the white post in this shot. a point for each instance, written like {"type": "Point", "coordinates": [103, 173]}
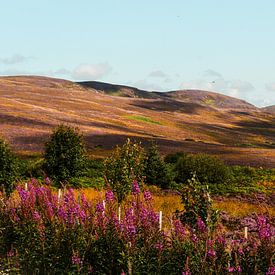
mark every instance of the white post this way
{"type": "Point", "coordinates": [160, 220]}
{"type": "Point", "coordinates": [59, 195]}
{"type": "Point", "coordinates": [104, 206]}
{"type": "Point", "coordinates": [26, 186]}
{"type": "Point", "coordinates": [119, 214]}
{"type": "Point", "coordinates": [245, 232]}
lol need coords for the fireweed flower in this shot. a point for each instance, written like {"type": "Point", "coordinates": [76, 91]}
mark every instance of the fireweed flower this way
{"type": "Point", "coordinates": [159, 246]}
{"type": "Point", "coordinates": [179, 229]}
{"type": "Point", "coordinates": [10, 253]}
{"type": "Point", "coordinates": [36, 216]}
{"type": "Point", "coordinates": [109, 196]}
{"type": "Point", "coordinates": [211, 253]}
{"type": "Point", "coordinates": [186, 272]}
{"type": "Point", "coordinates": [76, 260]}
{"type": "Point", "coordinates": [135, 188]}
{"type": "Point", "coordinates": [271, 270]}
{"type": "Point", "coordinates": [264, 229]}
{"type": "Point", "coordinates": [201, 225]}
{"type": "Point", "coordinates": [147, 196]}
{"type": "Point", "coordinates": [194, 238]}
{"type": "Point", "coordinates": [99, 207]}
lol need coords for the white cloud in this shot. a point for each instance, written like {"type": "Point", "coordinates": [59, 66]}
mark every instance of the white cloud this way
{"type": "Point", "coordinates": [91, 71]}
{"type": "Point", "coordinates": [241, 85]}
{"type": "Point", "coordinates": [270, 86]}
{"type": "Point", "coordinates": [14, 59]}
{"type": "Point", "coordinates": [234, 87]}
{"type": "Point", "coordinates": [158, 73]}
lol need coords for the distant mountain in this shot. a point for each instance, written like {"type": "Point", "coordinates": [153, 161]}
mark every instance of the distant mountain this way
{"type": "Point", "coordinates": [204, 98]}
{"type": "Point", "coordinates": [269, 109]}
{"type": "Point", "coordinates": [189, 120]}
{"type": "Point", "coordinates": [117, 90]}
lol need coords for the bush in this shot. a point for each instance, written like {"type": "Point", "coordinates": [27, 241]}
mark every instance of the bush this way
{"type": "Point", "coordinates": [157, 172]}
{"type": "Point", "coordinates": [197, 205]}
{"type": "Point", "coordinates": [123, 166]}
{"type": "Point", "coordinates": [65, 154]}
{"type": "Point", "coordinates": [9, 167]}
{"type": "Point", "coordinates": [209, 170]}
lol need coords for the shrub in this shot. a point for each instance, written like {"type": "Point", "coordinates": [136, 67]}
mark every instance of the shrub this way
{"type": "Point", "coordinates": [197, 205]}
{"type": "Point", "coordinates": [157, 172]}
{"type": "Point", "coordinates": [123, 166]}
{"type": "Point", "coordinates": [173, 158]}
{"type": "Point", "coordinates": [64, 154]}
{"type": "Point", "coordinates": [209, 170]}
{"type": "Point", "coordinates": [9, 167]}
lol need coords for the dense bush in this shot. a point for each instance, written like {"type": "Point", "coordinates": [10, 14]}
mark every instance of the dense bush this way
{"type": "Point", "coordinates": [124, 165]}
{"type": "Point", "coordinates": [64, 154]}
{"type": "Point", "coordinates": [42, 234]}
{"type": "Point", "coordinates": [156, 171]}
{"type": "Point", "coordinates": [209, 170]}
{"type": "Point", "coordinates": [9, 167]}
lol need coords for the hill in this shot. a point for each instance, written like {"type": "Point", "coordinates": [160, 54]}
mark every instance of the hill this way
{"type": "Point", "coordinates": [269, 109]}
{"type": "Point", "coordinates": [194, 121]}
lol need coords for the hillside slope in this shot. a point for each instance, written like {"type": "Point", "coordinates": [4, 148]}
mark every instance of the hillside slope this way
{"type": "Point", "coordinates": [30, 107]}
{"type": "Point", "coordinates": [269, 109]}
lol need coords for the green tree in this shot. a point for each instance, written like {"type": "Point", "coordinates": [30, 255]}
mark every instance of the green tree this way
{"type": "Point", "coordinates": [209, 170]}
{"type": "Point", "coordinates": [9, 167]}
{"type": "Point", "coordinates": [157, 172]}
{"type": "Point", "coordinates": [124, 165]}
{"type": "Point", "coordinates": [65, 154]}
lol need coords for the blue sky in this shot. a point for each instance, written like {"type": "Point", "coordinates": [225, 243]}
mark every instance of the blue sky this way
{"type": "Point", "coordinates": [222, 46]}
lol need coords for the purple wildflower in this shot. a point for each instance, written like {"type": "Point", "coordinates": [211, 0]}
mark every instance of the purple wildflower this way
{"type": "Point", "coordinates": [76, 260]}
{"type": "Point", "coordinates": [201, 225]}
{"type": "Point", "coordinates": [36, 216]}
{"type": "Point", "coordinates": [100, 207]}
{"type": "Point", "coordinates": [10, 253]}
{"type": "Point", "coordinates": [147, 196]}
{"type": "Point", "coordinates": [109, 195]}
{"type": "Point", "coordinates": [159, 246]}
{"type": "Point", "coordinates": [271, 270]}
{"type": "Point", "coordinates": [194, 238]}
{"type": "Point", "coordinates": [231, 269]}
{"type": "Point", "coordinates": [211, 253]}
{"type": "Point", "coordinates": [135, 188]}
{"type": "Point", "coordinates": [264, 228]}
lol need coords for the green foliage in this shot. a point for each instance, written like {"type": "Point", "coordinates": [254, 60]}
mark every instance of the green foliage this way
{"type": "Point", "coordinates": [157, 172]}
{"type": "Point", "coordinates": [209, 170]}
{"type": "Point", "coordinates": [197, 204]}
{"type": "Point", "coordinates": [9, 167]}
{"type": "Point", "coordinates": [144, 119]}
{"type": "Point", "coordinates": [173, 158]}
{"type": "Point", "coordinates": [123, 166]}
{"type": "Point", "coordinates": [65, 154]}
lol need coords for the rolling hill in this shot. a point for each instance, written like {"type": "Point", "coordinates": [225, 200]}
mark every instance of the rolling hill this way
{"type": "Point", "coordinates": [269, 109]}
{"type": "Point", "coordinates": [194, 121]}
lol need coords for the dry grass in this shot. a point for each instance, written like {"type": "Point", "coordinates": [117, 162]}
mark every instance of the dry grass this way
{"type": "Point", "coordinates": [169, 203]}
{"type": "Point", "coordinates": [32, 106]}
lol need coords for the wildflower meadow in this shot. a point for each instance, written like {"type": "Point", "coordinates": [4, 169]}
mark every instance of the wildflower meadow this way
{"type": "Point", "coordinates": [47, 232]}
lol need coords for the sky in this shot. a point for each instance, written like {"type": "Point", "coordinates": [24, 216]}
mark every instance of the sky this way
{"type": "Point", "coordinates": [215, 45]}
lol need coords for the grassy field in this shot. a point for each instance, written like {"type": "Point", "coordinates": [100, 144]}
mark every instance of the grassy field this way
{"type": "Point", "coordinates": [169, 203]}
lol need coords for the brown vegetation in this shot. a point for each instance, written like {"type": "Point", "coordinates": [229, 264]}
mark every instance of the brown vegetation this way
{"type": "Point", "coordinates": [192, 121]}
